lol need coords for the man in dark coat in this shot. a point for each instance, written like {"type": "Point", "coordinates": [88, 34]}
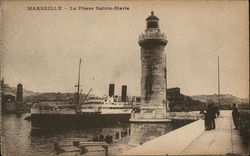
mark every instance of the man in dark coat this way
{"type": "Point", "coordinates": [209, 116]}
{"type": "Point", "coordinates": [214, 111]}
{"type": "Point", "coordinates": [107, 139]}
{"type": "Point", "coordinates": [101, 138]}
{"type": "Point", "coordinates": [235, 114]}
{"type": "Point", "coordinates": [204, 112]}
{"type": "Point", "coordinates": [111, 138]}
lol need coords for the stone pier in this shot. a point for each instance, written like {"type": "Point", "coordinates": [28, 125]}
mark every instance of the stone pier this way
{"type": "Point", "coordinates": [192, 139]}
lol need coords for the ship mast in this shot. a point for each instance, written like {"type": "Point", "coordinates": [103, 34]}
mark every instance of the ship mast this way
{"type": "Point", "coordinates": [78, 84]}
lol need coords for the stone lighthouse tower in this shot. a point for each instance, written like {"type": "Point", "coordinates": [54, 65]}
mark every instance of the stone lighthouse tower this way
{"type": "Point", "coordinates": [153, 76]}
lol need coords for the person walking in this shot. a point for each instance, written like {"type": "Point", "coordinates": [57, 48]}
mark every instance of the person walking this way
{"type": "Point", "coordinates": [110, 138]}
{"type": "Point", "coordinates": [235, 114]}
{"type": "Point", "coordinates": [117, 135]}
{"type": "Point", "coordinates": [209, 116]}
{"type": "Point", "coordinates": [107, 139]}
{"type": "Point", "coordinates": [218, 111]}
{"type": "Point", "coordinates": [213, 115]}
{"type": "Point", "coordinates": [204, 112]}
{"type": "Point", "coordinates": [101, 138]}
{"type": "Point", "coordinates": [207, 113]}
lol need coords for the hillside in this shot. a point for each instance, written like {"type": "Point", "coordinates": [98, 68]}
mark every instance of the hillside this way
{"type": "Point", "coordinates": [51, 96]}
{"type": "Point", "coordinates": [29, 95]}
{"type": "Point", "coordinates": [224, 99]}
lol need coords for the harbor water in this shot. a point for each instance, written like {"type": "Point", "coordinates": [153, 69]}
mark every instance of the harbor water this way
{"type": "Point", "coordinates": [19, 139]}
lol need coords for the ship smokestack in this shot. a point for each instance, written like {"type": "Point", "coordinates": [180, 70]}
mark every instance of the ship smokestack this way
{"type": "Point", "coordinates": [124, 93]}
{"type": "Point", "coordinates": [111, 90]}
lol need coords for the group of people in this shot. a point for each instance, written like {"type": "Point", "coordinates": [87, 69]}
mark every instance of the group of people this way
{"type": "Point", "coordinates": [211, 113]}
{"type": "Point", "coordinates": [108, 139]}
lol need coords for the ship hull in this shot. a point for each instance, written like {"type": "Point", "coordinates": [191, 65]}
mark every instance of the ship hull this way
{"type": "Point", "coordinates": [77, 120]}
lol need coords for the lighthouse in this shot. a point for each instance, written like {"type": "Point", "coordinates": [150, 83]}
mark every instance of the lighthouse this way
{"type": "Point", "coordinates": [153, 68]}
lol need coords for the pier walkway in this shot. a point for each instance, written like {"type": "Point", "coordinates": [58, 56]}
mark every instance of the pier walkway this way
{"type": "Point", "coordinates": [192, 139]}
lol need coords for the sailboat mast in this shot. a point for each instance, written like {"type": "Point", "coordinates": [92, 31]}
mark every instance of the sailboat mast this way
{"type": "Point", "coordinates": [219, 80]}
{"type": "Point", "coordinates": [78, 84]}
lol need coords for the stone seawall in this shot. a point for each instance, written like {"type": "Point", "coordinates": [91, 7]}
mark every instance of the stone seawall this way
{"type": "Point", "coordinates": [172, 143]}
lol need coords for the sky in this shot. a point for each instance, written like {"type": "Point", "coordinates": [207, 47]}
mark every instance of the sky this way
{"type": "Point", "coordinates": [42, 48]}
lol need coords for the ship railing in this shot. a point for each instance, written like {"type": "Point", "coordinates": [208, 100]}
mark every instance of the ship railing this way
{"type": "Point", "coordinates": [154, 35]}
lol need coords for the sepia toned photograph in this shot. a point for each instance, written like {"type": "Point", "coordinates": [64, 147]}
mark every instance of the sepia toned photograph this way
{"type": "Point", "coordinates": [108, 78]}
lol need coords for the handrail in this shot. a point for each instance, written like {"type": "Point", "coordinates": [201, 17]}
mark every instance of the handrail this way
{"type": "Point", "coordinates": [152, 36]}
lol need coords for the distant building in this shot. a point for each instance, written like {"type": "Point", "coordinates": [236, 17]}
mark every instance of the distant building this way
{"type": "Point", "coordinates": [19, 93]}
{"type": "Point", "coordinates": [8, 98]}
{"type": "Point", "coordinates": [8, 104]}
{"type": "Point", "coordinates": [174, 94]}
{"type": "Point", "coordinates": [19, 98]}
{"type": "Point", "coordinates": [181, 102]}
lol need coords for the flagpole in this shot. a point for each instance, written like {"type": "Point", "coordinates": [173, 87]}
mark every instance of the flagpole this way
{"type": "Point", "coordinates": [219, 81]}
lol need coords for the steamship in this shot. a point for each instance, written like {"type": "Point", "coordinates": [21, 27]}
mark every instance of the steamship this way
{"type": "Point", "coordinates": [92, 111]}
